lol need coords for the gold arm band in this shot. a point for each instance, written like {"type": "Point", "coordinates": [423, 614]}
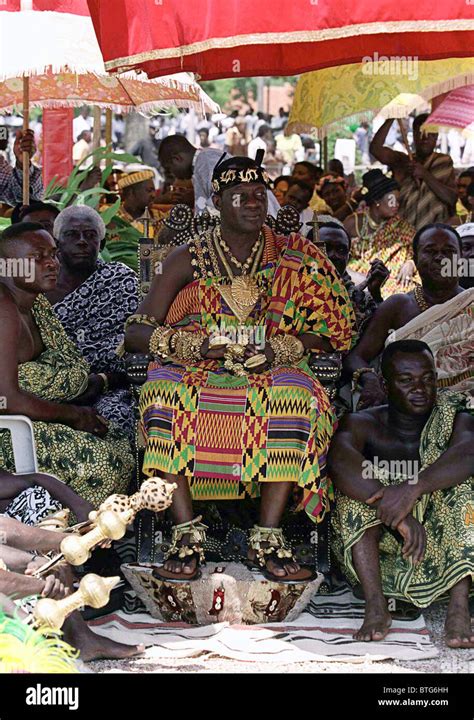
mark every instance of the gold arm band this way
{"type": "Point", "coordinates": [187, 345]}
{"type": "Point", "coordinates": [159, 345]}
{"type": "Point", "coordinates": [141, 320]}
{"type": "Point", "coordinates": [288, 350]}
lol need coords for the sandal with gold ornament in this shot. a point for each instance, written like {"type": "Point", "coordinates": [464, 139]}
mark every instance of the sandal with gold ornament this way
{"type": "Point", "coordinates": [185, 551]}
{"type": "Point", "coordinates": [270, 544]}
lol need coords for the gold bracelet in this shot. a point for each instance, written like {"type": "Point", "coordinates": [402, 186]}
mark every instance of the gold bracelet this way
{"type": "Point", "coordinates": [296, 349]}
{"type": "Point", "coordinates": [234, 359]}
{"type": "Point", "coordinates": [105, 380]}
{"type": "Point", "coordinates": [187, 345]}
{"type": "Point", "coordinates": [141, 320]}
{"type": "Point", "coordinates": [234, 367]}
{"type": "Point", "coordinates": [159, 345]}
{"type": "Point", "coordinates": [288, 350]}
{"type": "Point", "coordinates": [279, 351]}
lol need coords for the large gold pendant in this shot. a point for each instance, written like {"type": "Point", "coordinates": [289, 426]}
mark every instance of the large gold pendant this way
{"type": "Point", "coordinates": [241, 296]}
{"type": "Point", "coordinates": [245, 290]}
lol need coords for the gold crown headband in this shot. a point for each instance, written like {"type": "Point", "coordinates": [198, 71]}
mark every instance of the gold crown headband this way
{"type": "Point", "coordinates": [236, 177]}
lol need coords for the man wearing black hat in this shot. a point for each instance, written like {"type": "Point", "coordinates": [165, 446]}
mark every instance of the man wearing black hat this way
{"type": "Point", "coordinates": [230, 407]}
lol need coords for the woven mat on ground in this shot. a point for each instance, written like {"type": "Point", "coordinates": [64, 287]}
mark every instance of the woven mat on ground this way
{"type": "Point", "coordinates": [322, 633]}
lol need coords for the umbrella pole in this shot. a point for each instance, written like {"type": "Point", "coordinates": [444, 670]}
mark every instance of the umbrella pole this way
{"type": "Point", "coordinates": [325, 153]}
{"type": "Point", "coordinates": [26, 156]}
{"type": "Point", "coordinates": [108, 133]}
{"type": "Point", "coordinates": [405, 138]}
{"type": "Point", "coordinates": [97, 128]}
{"type": "Point", "coordinates": [405, 142]}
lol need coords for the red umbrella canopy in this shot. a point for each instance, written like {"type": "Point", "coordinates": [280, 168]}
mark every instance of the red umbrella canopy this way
{"type": "Point", "coordinates": [232, 38]}
{"type": "Point", "coordinates": [75, 7]}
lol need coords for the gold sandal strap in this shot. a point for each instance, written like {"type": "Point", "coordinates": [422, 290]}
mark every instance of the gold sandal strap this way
{"type": "Point", "coordinates": [197, 532]}
{"type": "Point", "coordinates": [275, 543]}
{"type": "Point", "coordinates": [195, 528]}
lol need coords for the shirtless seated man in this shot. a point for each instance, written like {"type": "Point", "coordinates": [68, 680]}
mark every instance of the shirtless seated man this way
{"type": "Point", "coordinates": [404, 510]}
{"type": "Point", "coordinates": [17, 582]}
{"type": "Point", "coordinates": [44, 376]}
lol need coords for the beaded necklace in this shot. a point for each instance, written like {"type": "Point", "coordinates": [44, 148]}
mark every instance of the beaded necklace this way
{"type": "Point", "coordinates": [245, 266]}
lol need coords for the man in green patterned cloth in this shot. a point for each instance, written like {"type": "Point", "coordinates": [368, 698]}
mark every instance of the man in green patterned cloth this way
{"type": "Point", "coordinates": [404, 516]}
{"type": "Point", "coordinates": [43, 375]}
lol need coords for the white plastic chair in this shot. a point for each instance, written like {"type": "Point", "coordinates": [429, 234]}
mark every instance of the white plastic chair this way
{"type": "Point", "coordinates": [23, 442]}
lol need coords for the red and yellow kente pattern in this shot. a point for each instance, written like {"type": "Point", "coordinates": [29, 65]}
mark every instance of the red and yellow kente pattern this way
{"type": "Point", "coordinates": [228, 434]}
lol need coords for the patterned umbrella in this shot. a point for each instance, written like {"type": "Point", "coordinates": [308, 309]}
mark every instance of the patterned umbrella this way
{"type": "Point", "coordinates": [41, 35]}
{"type": "Point", "coordinates": [325, 96]}
{"type": "Point", "coordinates": [37, 35]}
{"type": "Point", "coordinates": [121, 94]}
{"type": "Point", "coordinates": [55, 40]}
{"type": "Point", "coordinates": [455, 111]}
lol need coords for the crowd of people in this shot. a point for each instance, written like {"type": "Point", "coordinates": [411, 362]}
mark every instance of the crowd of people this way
{"type": "Point", "coordinates": [263, 283]}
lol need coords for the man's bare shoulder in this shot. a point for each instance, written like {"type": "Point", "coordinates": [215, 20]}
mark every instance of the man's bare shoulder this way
{"type": "Point", "coordinates": [350, 224]}
{"type": "Point", "coordinates": [178, 261]}
{"type": "Point", "coordinates": [464, 422]}
{"type": "Point", "coordinates": [396, 301]}
{"type": "Point", "coordinates": [7, 301]}
{"type": "Point", "coordinates": [10, 318]}
{"type": "Point", "coordinates": [363, 421]}
{"type": "Point", "coordinates": [395, 309]}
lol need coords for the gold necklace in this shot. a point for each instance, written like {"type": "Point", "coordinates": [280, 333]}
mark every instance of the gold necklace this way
{"type": "Point", "coordinates": [258, 256]}
{"type": "Point", "coordinates": [243, 293]}
{"type": "Point", "coordinates": [420, 298]}
{"type": "Point", "coordinates": [212, 254]}
{"type": "Point", "coordinates": [243, 266]}
{"type": "Point", "coordinates": [371, 222]}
